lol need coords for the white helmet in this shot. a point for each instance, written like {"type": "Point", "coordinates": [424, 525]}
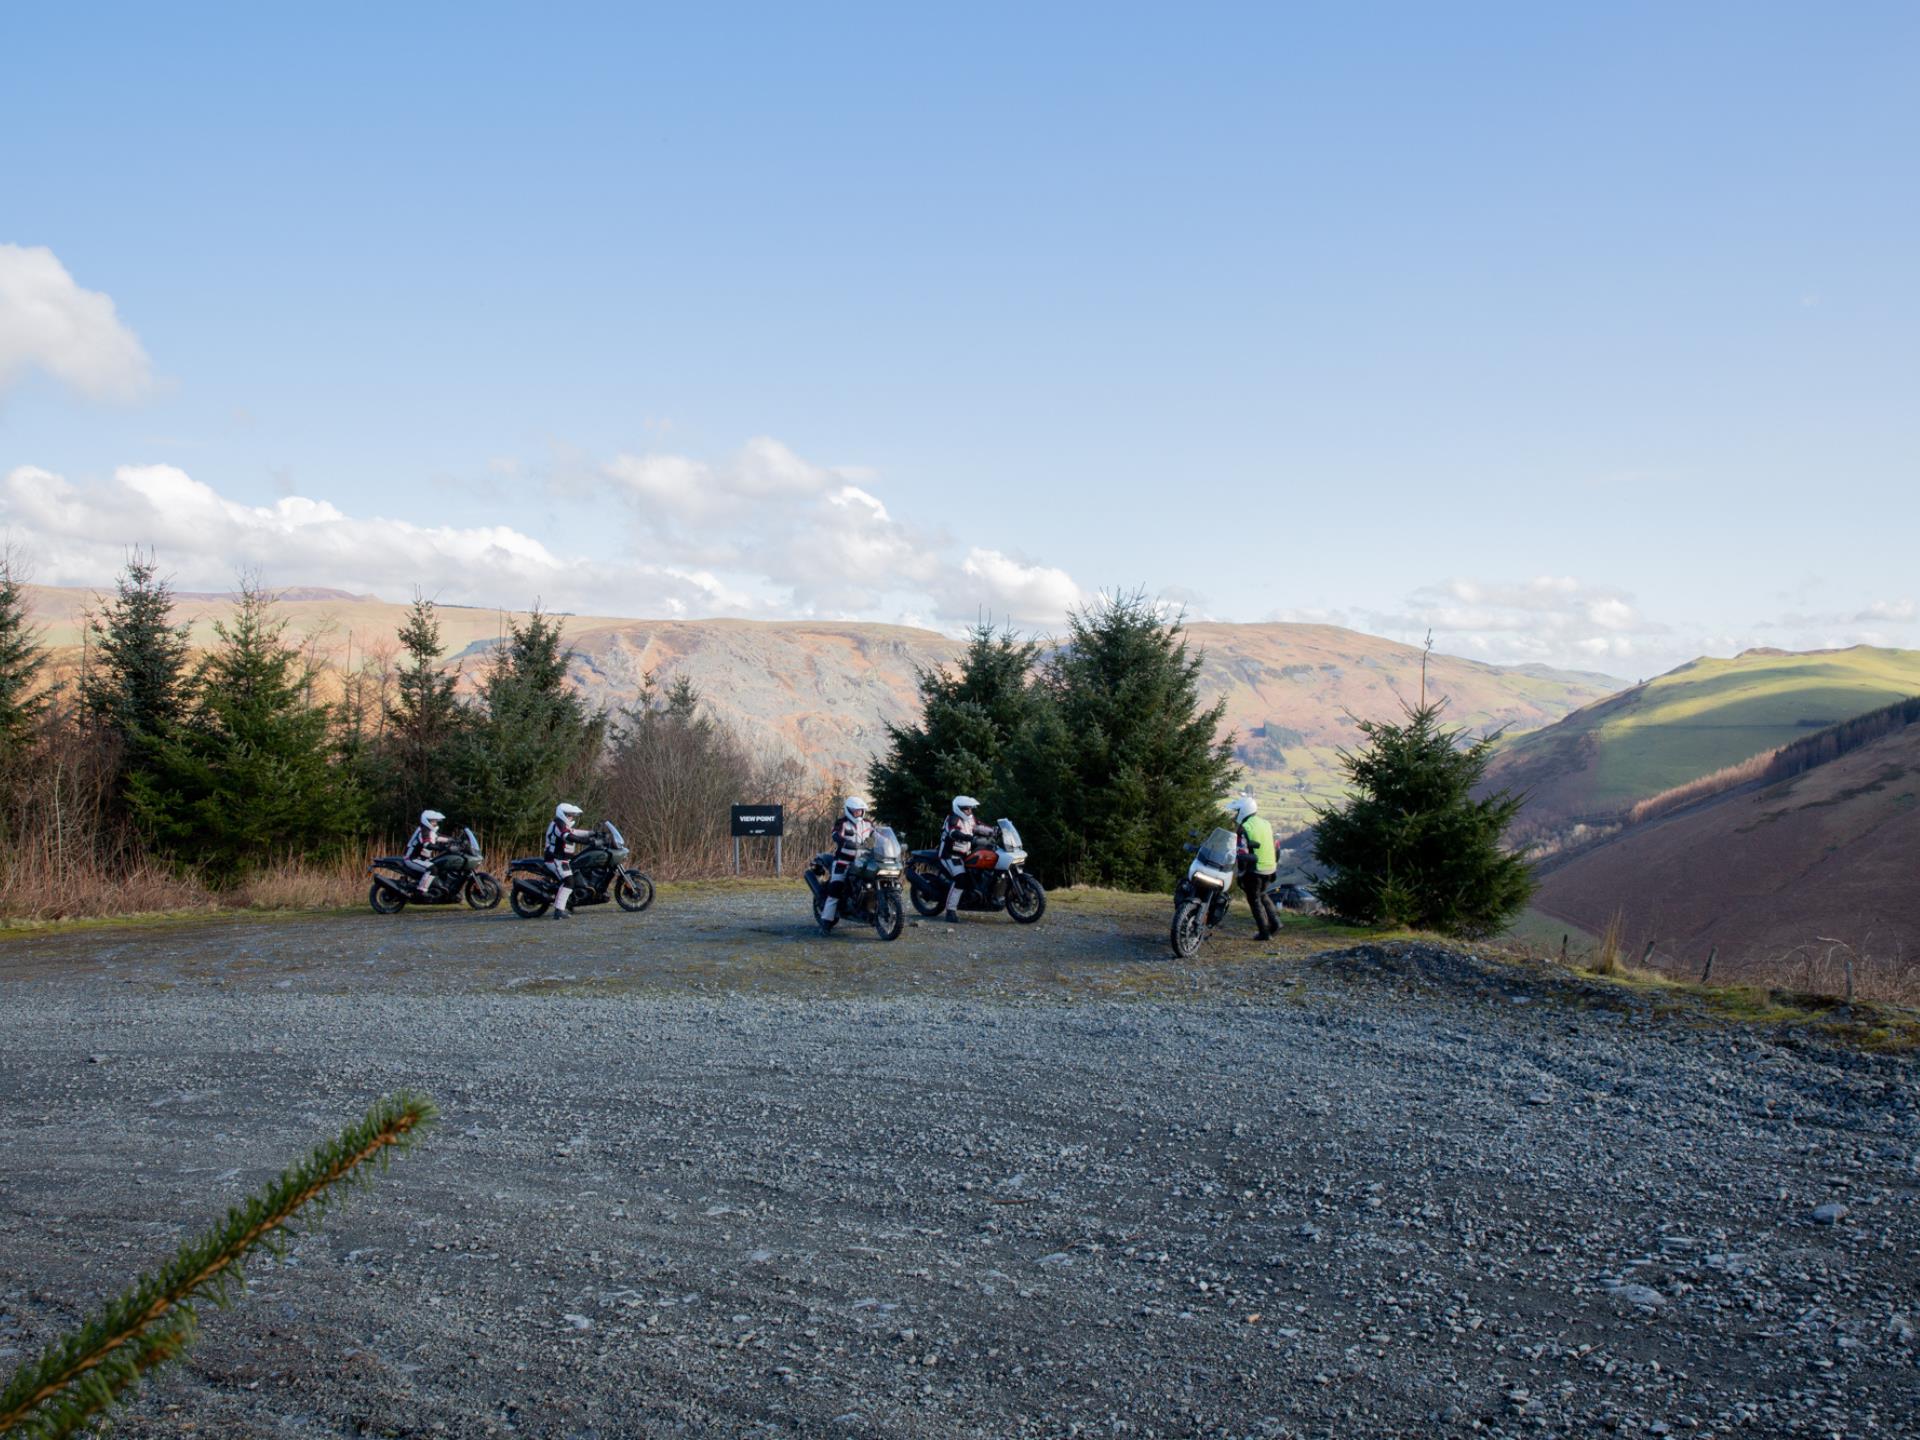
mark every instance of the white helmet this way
{"type": "Point", "coordinates": [962, 804]}
{"type": "Point", "coordinates": [855, 807]}
{"type": "Point", "coordinates": [566, 814]}
{"type": "Point", "coordinates": [431, 818]}
{"type": "Point", "coordinates": [1241, 807]}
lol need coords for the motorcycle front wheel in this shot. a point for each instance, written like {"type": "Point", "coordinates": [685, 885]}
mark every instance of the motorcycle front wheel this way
{"type": "Point", "coordinates": [1189, 928]}
{"type": "Point", "coordinates": [632, 891]}
{"type": "Point", "coordinates": [483, 892]}
{"type": "Point", "coordinates": [1026, 900]}
{"type": "Point", "coordinates": [529, 906]}
{"type": "Point", "coordinates": [384, 901]}
{"type": "Point", "coordinates": [928, 902]}
{"type": "Point", "coordinates": [889, 919]}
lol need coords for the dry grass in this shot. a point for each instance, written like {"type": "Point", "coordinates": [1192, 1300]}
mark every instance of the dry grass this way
{"type": "Point", "coordinates": [1830, 969]}
{"type": "Point", "coordinates": [1606, 958]}
{"type": "Point", "coordinates": [43, 879]}
{"type": "Point", "coordinates": [61, 855]}
{"type": "Point", "coordinates": [301, 885]}
{"type": "Point", "coordinates": [1870, 968]}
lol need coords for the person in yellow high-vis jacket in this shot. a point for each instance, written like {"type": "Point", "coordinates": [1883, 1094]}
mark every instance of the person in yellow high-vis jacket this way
{"type": "Point", "coordinates": [1258, 863]}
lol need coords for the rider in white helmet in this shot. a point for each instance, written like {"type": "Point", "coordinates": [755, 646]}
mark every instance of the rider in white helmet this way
{"type": "Point", "coordinates": [1259, 861]}
{"type": "Point", "coordinates": [563, 843]}
{"type": "Point", "coordinates": [850, 832]}
{"type": "Point", "coordinates": [422, 846]}
{"type": "Point", "coordinates": [956, 843]}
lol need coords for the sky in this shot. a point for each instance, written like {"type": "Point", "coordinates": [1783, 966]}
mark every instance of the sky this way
{"type": "Point", "coordinates": [1586, 335]}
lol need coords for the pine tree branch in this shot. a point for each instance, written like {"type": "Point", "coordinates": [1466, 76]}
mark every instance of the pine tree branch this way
{"type": "Point", "coordinates": [154, 1321]}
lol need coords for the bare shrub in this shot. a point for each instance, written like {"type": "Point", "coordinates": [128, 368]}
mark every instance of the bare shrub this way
{"type": "Point", "coordinates": [64, 852]}
{"type": "Point", "coordinates": [1873, 969]}
{"type": "Point", "coordinates": [672, 771]}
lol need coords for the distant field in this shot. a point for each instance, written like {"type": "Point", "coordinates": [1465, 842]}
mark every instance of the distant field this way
{"type": "Point", "coordinates": [1690, 722]}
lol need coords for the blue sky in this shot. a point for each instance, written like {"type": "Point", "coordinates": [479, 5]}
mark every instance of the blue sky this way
{"type": "Point", "coordinates": [1583, 334]}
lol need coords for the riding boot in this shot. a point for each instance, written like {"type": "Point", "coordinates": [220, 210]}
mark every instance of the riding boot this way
{"type": "Point", "coordinates": [560, 900]}
{"type": "Point", "coordinates": [831, 910]}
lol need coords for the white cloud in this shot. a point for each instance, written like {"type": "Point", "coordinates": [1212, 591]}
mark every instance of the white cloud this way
{"type": "Point", "coordinates": [80, 535]}
{"type": "Point", "coordinates": [1898, 612]}
{"type": "Point", "coordinates": [47, 322]}
{"type": "Point", "coordinates": [1549, 619]}
{"type": "Point", "coordinates": [677, 488]}
{"type": "Point", "coordinates": [1561, 620]}
{"type": "Point", "coordinates": [1008, 586]}
{"type": "Point", "coordinates": [1878, 621]}
{"type": "Point", "coordinates": [818, 540]}
{"type": "Point", "coordinates": [766, 534]}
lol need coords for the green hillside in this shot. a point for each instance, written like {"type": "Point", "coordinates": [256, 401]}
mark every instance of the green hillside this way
{"type": "Point", "coordinates": [1691, 722]}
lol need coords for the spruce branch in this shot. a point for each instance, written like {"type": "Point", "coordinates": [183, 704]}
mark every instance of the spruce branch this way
{"type": "Point", "coordinates": [78, 1377]}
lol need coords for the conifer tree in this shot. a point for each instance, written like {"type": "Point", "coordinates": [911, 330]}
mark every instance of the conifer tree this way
{"type": "Point", "coordinates": [20, 657]}
{"type": "Point", "coordinates": [1130, 762]}
{"type": "Point", "coordinates": [137, 670]}
{"type": "Point", "coordinates": [250, 772]}
{"type": "Point", "coordinates": [1413, 846]}
{"type": "Point", "coordinates": [532, 740]}
{"type": "Point", "coordinates": [414, 768]}
{"type": "Point", "coordinates": [971, 719]}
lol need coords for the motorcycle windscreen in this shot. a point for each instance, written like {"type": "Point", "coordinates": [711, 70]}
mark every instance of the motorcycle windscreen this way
{"type": "Point", "coordinates": [613, 834]}
{"type": "Point", "coordinates": [472, 846]}
{"type": "Point", "coordinates": [1009, 836]}
{"type": "Point", "coordinates": [886, 846]}
{"type": "Point", "coordinates": [1218, 851]}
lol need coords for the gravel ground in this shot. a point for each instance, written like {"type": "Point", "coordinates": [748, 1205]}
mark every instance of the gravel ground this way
{"type": "Point", "coordinates": [702, 1173]}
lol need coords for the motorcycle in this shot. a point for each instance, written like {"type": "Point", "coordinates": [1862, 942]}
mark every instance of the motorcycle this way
{"type": "Point", "coordinates": [598, 876]}
{"type": "Point", "coordinates": [1200, 899]}
{"type": "Point", "coordinates": [455, 875]}
{"type": "Point", "coordinates": [873, 886]}
{"type": "Point", "coordinates": [995, 878]}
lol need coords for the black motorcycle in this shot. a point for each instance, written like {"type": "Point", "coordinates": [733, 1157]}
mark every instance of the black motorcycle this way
{"type": "Point", "coordinates": [873, 886]}
{"type": "Point", "coordinates": [995, 878]}
{"type": "Point", "coordinates": [454, 875]}
{"type": "Point", "coordinates": [600, 874]}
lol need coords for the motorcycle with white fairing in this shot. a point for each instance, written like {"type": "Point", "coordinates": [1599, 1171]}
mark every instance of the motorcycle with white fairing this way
{"type": "Point", "coordinates": [1200, 899]}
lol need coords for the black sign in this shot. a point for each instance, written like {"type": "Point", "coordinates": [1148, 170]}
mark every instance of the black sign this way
{"type": "Point", "coordinates": [758, 820]}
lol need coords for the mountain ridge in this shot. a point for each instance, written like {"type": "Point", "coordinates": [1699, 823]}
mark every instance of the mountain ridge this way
{"type": "Point", "coordinates": [824, 691]}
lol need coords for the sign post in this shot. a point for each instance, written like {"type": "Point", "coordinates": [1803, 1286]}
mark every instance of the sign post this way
{"type": "Point", "coordinates": [758, 822]}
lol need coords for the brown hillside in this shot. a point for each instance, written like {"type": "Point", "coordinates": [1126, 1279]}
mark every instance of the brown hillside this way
{"type": "Point", "coordinates": [1834, 852]}
{"type": "Point", "coordinates": [1292, 692]}
{"type": "Point", "coordinates": [825, 691]}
